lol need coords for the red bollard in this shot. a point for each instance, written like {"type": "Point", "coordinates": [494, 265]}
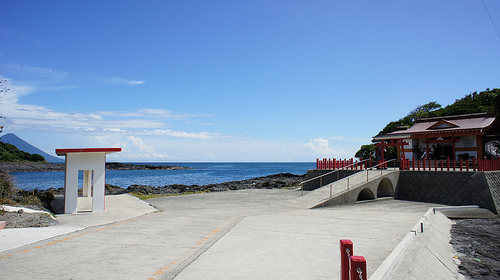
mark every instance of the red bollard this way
{"type": "Point", "coordinates": [345, 256]}
{"type": "Point", "coordinates": [358, 268]}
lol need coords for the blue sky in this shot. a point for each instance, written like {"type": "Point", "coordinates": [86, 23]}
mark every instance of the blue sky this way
{"type": "Point", "coordinates": [254, 80]}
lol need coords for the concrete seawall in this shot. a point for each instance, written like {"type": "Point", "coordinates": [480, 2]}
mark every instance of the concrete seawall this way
{"type": "Point", "coordinates": [451, 188]}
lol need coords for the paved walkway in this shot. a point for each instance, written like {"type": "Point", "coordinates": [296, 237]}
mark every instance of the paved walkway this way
{"type": "Point", "coordinates": [247, 234]}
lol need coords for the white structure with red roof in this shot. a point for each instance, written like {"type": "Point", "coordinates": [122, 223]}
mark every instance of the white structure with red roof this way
{"type": "Point", "coordinates": [92, 161]}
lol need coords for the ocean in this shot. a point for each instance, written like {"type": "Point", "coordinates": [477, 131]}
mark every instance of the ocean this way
{"type": "Point", "coordinates": [201, 174]}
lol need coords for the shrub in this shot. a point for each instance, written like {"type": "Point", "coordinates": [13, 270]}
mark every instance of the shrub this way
{"type": "Point", "coordinates": [7, 186]}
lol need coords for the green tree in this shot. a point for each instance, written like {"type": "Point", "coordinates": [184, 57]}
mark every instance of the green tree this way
{"type": "Point", "coordinates": [9, 152]}
{"type": "Point", "coordinates": [7, 187]}
{"type": "Point", "coordinates": [484, 102]}
{"type": "Point", "coordinates": [366, 151]}
{"type": "Point", "coordinates": [421, 111]}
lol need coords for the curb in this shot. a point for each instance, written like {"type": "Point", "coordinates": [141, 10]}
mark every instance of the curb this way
{"type": "Point", "coordinates": [385, 269]}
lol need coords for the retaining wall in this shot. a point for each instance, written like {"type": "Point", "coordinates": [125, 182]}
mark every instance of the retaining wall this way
{"type": "Point", "coordinates": [451, 188]}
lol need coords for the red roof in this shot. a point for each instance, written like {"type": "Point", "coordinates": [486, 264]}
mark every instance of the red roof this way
{"type": "Point", "coordinates": [62, 152]}
{"type": "Point", "coordinates": [471, 123]}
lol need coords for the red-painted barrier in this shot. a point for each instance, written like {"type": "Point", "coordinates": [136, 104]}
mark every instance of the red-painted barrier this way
{"type": "Point", "coordinates": [424, 164]}
{"type": "Point", "coordinates": [358, 268]}
{"type": "Point", "coordinates": [345, 256]}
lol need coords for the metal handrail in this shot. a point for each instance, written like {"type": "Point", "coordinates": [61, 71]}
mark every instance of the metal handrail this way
{"type": "Point", "coordinates": [367, 169]}
{"type": "Point", "coordinates": [320, 176]}
{"type": "Point", "coordinates": [382, 163]}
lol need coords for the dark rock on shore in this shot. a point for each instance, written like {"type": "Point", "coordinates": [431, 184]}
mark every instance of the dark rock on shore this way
{"type": "Point", "coordinates": [276, 181]}
{"type": "Point", "coordinates": [130, 166]}
{"type": "Point", "coordinates": [46, 167]}
{"type": "Point", "coordinates": [31, 167]}
{"type": "Point", "coordinates": [476, 241]}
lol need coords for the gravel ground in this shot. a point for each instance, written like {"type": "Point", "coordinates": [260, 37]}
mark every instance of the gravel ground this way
{"type": "Point", "coordinates": [477, 242]}
{"type": "Point", "coordinates": [22, 220]}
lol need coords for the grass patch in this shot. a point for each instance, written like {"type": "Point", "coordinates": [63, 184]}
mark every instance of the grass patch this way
{"type": "Point", "coordinates": [290, 188]}
{"type": "Point", "coordinates": [150, 196]}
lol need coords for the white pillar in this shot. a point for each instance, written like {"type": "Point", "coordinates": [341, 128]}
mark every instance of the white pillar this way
{"type": "Point", "coordinates": [98, 202]}
{"type": "Point", "coordinates": [87, 183]}
{"type": "Point", "coordinates": [70, 188]}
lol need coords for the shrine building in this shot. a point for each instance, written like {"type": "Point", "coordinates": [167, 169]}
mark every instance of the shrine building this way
{"type": "Point", "coordinates": [454, 137]}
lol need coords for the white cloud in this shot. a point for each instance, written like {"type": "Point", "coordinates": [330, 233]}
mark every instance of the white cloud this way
{"type": "Point", "coordinates": [320, 146]}
{"type": "Point", "coordinates": [134, 148]}
{"type": "Point", "coordinates": [146, 121]}
{"type": "Point", "coordinates": [184, 134]}
{"type": "Point", "coordinates": [44, 76]}
{"type": "Point", "coordinates": [152, 113]}
{"type": "Point", "coordinates": [118, 81]}
{"type": "Point", "coordinates": [41, 72]}
{"type": "Point", "coordinates": [143, 136]}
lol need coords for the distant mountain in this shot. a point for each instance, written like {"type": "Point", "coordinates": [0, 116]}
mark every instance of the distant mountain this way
{"type": "Point", "coordinates": [24, 146]}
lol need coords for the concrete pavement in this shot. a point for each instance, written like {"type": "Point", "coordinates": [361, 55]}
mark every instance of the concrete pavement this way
{"type": "Point", "coordinates": [247, 234]}
{"type": "Point", "coordinates": [120, 207]}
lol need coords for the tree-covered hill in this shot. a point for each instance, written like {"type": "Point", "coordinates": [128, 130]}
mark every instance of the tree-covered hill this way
{"type": "Point", "coordinates": [484, 102]}
{"type": "Point", "coordinates": [9, 153]}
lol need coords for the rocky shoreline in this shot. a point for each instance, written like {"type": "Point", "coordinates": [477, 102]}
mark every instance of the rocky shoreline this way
{"type": "Point", "coordinates": [12, 167]}
{"type": "Point", "coordinates": [275, 181]}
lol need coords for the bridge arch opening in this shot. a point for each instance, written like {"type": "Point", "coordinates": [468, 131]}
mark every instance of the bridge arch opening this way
{"type": "Point", "coordinates": [385, 188]}
{"type": "Point", "coordinates": [365, 194]}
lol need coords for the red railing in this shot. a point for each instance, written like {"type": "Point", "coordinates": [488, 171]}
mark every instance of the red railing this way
{"type": "Point", "coordinates": [424, 164]}
{"type": "Point", "coordinates": [473, 164]}
{"type": "Point", "coordinates": [333, 164]}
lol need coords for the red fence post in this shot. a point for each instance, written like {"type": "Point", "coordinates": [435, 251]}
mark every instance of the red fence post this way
{"type": "Point", "coordinates": [460, 165]}
{"type": "Point", "coordinates": [441, 164]}
{"type": "Point", "coordinates": [435, 165]}
{"type": "Point", "coordinates": [358, 268]}
{"type": "Point", "coordinates": [317, 163]}
{"type": "Point", "coordinates": [423, 161]}
{"type": "Point", "coordinates": [413, 161]}
{"type": "Point", "coordinates": [345, 256]}
{"type": "Point", "coordinates": [448, 162]}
